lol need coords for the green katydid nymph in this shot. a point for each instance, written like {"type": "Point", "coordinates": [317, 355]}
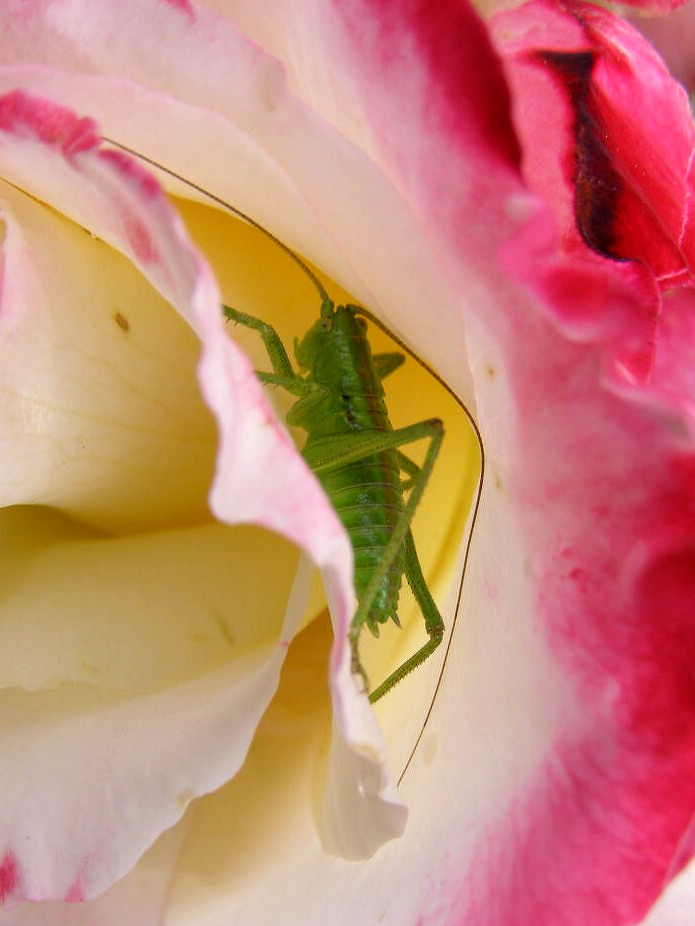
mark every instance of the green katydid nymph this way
{"type": "Point", "coordinates": [356, 454]}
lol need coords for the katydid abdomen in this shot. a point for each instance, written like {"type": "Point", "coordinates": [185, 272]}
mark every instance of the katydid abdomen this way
{"type": "Point", "coordinates": [368, 500]}
{"type": "Point", "coordinates": [367, 494]}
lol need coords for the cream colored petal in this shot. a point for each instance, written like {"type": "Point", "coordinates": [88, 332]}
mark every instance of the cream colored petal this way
{"type": "Point", "coordinates": [85, 793]}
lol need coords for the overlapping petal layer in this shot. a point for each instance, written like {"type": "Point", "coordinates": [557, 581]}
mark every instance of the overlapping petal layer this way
{"type": "Point", "coordinates": [592, 467]}
{"type": "Point", "coordinates": [555, 782]}
{"type": "Point", "coordinates": [99, 644]}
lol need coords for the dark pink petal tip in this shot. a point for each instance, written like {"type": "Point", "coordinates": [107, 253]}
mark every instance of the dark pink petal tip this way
{"type": "Point", "coordinates": [9, 876]}
{"type": "Point", "coordinates": [33, 117]}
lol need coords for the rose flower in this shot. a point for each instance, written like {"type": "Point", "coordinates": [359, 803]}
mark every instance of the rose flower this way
{"type": "Point", "coordinates": [183, 740]}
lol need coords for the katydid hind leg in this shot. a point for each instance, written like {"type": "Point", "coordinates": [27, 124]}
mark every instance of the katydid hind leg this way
{"type": "Point", "coordinates": [434, 430]}
{"type": "Point", "coordinates": [410, 468]}
{"type": "Point", "coordinates": [331, 453]}
{"type": "Point", "coordinates": [434, 624]}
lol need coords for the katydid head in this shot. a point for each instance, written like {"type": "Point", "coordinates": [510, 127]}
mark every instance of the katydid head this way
{"type": "Point", "coordinates": [341, 322]}
{"type": "Point", "coordinates": [309, 347]}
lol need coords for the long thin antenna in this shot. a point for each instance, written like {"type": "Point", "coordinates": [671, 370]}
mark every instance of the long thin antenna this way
{"type": "Point", "coordinates": [326, 301]}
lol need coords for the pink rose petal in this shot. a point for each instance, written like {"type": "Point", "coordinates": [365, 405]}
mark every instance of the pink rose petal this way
{"type": "Point", "coordinates": [202, 728]}
{"type": "Point", "coordinates": [556, 785]}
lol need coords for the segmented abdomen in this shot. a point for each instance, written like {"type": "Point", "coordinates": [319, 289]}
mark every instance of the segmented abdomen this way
{"type": "Point", "coordinates": [368, 500]}
{"type": "Point", "coordinates": [366, 494]}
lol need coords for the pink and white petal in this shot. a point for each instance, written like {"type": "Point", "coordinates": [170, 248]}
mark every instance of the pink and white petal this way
{"type": "Point", "coordinates": [138, 898]}
{"type": "Point", "coordinates": [221, 111]}
{"type": "Point", "coordinates": [614, 794]}
{"type": "Point", "coordinates": [78, 846]}
{"type": "Point", "coordinates": [659, 184]}
{"type": "Point", "coordinates": [387, 282]}
{"type": "Point", "coordinates": [607, 553]}
{"type": "Point", "coordinates": [630, 179]}
{"type": "Point", "coordinates": [100, 399]}
{"type": "Point", "coordinates": [570, 69]}
{"type": "Point", "coordinates": [361, 807]}
{"type": "Point", "coordinates": [605, 540]}
{"type": "Point", "coordinates": [594, 774]}
{"type": "Point", "coordinates": [606, 681]}
{"type": "Point", "coordinates": [563, 790]}
{"type": "Point", "coordinates": [494, 721]}
{"type": "Point", "coordinates": [248, 138]}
